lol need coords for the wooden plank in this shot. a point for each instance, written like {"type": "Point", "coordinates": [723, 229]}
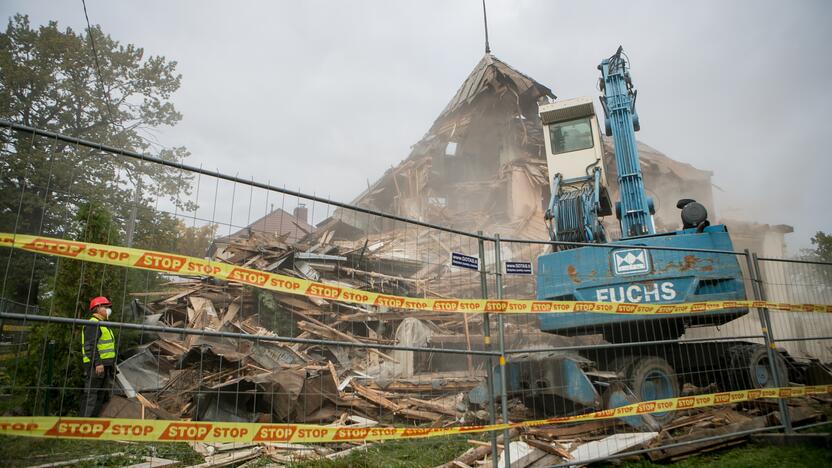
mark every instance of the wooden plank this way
{"type": "Point", "coordinates": [549, 448]}
{"type": "Point", "coordinates": [687, 421]}
{"type": "Point", "coordinates": [546, 461]}
{"type": "Point", "coordinates": [344, 453]}
{"type": "Point", "coordinates": [340, 334]}
{"type": "Point", "coordinates": [583, 428]}
{"type": "Point", "coordinates": [432, 406]}
{"type": "Point", "coordinates": [155, 462]}
{"type": "Point", "coordinates": [480, 443]}
{"type": "Point", "coordinates": [145, 403]}
{"type": "Point", "coordinates": [663, 454]}
{"type": "Point", "coordinates": [372, 274]}
{"type": "Point", "coordinates": [471, 456]}
{"type": "Point", "coordinates": [417, 414]}
{"type": "Point", "coordinates": [332, 371]}
{"type": "Point", "coordinates": [374, 396]}
{"type": "Point", "coordinates": [176, 297]}
{"type": "Point", "coordinates": [611, 445]}
{"type": "Point", "coordinates": [422, 387]}
{"type": "Point", "coordinates": [231, 312]}
{"type": "Point", "coordinates": [229, 458]}
{"type": "Point", "coordinates": [522, 455]}
{"type": "Point", "coordinates": [76, 461]}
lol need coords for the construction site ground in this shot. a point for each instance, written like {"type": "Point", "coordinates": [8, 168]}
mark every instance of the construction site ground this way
{"type": "Point", "coordinates": [27, 452]}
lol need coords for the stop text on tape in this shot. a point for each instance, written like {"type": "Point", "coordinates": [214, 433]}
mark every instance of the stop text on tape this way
{"type": "Point", "coordinates": [192, 266]}
{"type": "Point", "coordinates": [191, 431]}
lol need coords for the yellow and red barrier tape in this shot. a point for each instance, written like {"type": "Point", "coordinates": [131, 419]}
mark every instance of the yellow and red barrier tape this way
{"type": "Point", "coordinates": [191, 431]}
{"type": "Point", "coordinates": [192, 266]}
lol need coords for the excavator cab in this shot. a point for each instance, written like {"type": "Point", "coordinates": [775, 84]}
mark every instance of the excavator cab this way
{"type": "Point", "coordinates": [575, 159]}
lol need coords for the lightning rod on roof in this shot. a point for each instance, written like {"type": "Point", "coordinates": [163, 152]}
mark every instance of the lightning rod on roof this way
{"type": "Point", "coordinates": [485, 23]}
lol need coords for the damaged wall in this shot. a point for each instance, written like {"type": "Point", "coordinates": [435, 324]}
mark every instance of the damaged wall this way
{"type": "Point", "coordinates": [467, 171]}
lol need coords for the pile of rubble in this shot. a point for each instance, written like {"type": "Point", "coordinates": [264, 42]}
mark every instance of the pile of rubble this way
{"type": "Point", "coordinates": [692, 432]}
{"type": "Point", "coordinates": [244, 376]}
{"type": "Point", "coordinates": [229, 378]}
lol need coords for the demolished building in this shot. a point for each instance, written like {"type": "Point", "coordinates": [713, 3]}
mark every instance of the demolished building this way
{"type": "Point", "coordinates": [481, 166]}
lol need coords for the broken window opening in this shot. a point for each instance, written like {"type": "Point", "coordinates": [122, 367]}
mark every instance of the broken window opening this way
{"type": "Point", "coordinates": [441, 202]}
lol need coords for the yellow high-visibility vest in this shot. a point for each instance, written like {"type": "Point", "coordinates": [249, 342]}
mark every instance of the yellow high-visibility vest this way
{"type": "Point", "coordinates": [106, 344]}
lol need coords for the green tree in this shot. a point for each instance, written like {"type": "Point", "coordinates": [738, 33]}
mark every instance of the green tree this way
{"type": "Point", "coordinates": [194, 240]}
{"type": "Point", "coordinates": [823, 247]}
{"type": "Point", "coordinates": [815, 280]}
{"type": "Point", "coordinates": [75, 282]}
{"type": "Point", "coordinates": [49, 80]}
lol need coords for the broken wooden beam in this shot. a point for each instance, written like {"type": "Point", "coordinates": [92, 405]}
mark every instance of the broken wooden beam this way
{"type": "Point", "coordinates": [472, 456]}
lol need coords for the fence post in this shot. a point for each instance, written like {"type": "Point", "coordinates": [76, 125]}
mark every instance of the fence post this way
{"type": "Point", "coordinates": [50, 357]}
{"type": "Point", "coordinates": [131, 224]}
{"type": "Point", "coordinates": [498, 272]}
{"type": "Point", "coordinates": [486, 336]}
{"type": "Point", "coordinates": [765, 322]}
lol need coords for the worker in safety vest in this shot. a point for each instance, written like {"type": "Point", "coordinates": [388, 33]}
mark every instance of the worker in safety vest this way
{"type": "Point", "coordinates": [98, 349]}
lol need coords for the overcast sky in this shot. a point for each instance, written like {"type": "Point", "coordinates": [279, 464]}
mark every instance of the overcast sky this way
{"type": "Point", "coordinates": [324, 96]}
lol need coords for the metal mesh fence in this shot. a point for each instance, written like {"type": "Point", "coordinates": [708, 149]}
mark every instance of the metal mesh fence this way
{"type": "Point", "coordinates": [803, 335]}
{"type": "Point", "coordinates": [199, 348]}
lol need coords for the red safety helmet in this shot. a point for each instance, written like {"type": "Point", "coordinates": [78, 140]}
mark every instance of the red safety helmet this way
{"type": "Point", "coordinates": [99, 301]}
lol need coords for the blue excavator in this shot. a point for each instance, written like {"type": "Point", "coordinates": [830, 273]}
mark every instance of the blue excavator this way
{"type": "Point", "coordinates": [640, 357]}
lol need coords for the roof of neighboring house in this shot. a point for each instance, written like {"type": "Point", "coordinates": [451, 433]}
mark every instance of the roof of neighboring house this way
{"type": "Point", "coordinates": [278, 222]}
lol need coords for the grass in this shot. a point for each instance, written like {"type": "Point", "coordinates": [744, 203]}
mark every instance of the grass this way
{"type": "Point", "coordinates": [432, 452]}
{"type": "Point", "coordinates": [399, 454]}
{"type": "Point", "coordinates": [27, 451]}
{"type": "Point", "coordinates": [752, 456]}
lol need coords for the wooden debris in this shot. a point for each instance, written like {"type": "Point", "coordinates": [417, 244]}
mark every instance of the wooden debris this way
{"type": "Point", "coordinates": [610, 445]}
{"type": "Point", "coordinates": [471, 456]}
{"type": "Point", "coordinates": [227, 366]}
{"type": "Point", "coordinates": [480, 443]}
{"type": "Point", "coordinates": [231, 457]}
{"type": "Point", "coordinates": [375, 397]}
{"type": "Point", "coordinates": [522, 455]}
{"type": "Point", "coordinates": [344, 453]}
{"type": "Point", "coordinates": [79, 460]}
{"type": "Point", "coordinates": [549, 448]}
{"type": "Point", "coordinates": [682, 450]}
{"type": "Point", "coordinates": [155, 462]}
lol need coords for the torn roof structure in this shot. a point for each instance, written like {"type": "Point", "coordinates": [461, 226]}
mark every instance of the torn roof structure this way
{"type": "Point", "coordinates": [461, 166]}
